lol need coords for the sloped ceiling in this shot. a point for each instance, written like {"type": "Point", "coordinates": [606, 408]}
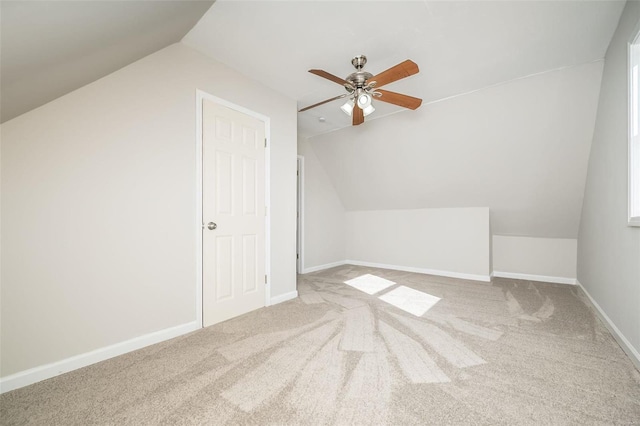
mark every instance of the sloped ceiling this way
{"type": "Point", "coordinates": [510, 88]}
{"type": "Point", "coordinates": [50, 48]}
{"type": "Point", "coordinates": [520, 148]}
{"type": "Point", "coordinates": [510, 93]}
{"type": "Point", "coordinates": [459, 46]}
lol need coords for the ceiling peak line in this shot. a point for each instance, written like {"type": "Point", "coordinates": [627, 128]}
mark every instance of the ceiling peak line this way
{"type": "Point", "coordinates": [468, 93]}
{"type": "Point", "coordinates": [512, 80]}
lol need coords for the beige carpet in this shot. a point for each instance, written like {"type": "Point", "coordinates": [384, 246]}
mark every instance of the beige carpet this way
{"type": "Point", "coordinates": [510, 352]}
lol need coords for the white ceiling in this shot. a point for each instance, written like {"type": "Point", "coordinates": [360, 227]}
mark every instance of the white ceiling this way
{"type": "Point", "coordinates": [50, 48]}
{"type": "Point", "coordinates": [459, 46]}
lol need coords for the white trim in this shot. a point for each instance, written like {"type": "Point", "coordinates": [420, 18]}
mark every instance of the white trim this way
{"type": "Point", "coordinates": [531, 277]}
{"type": "Point", "coordinates": [200, 96]}
{"type": "Point", "coordinates": [300, 218]}
{"type": "Point", "coordinates": [633, 148]}
{"type": "Point", "coordinates": [323, 267]}
{"type": "Point", "coordinates": [462, 275]}
{"type": "Point", "coordinates": [284, 297]}
{"type": "Point", "coordinates": [474, 277]}
{"type": "Point", "coordinates": [43, 372]}
{"type": "Point", "coordinates": [199, 221]}
{"type": "Point", "coordinates": [267, 202]}
{"type": "Point", "coordinates": [615, 332]}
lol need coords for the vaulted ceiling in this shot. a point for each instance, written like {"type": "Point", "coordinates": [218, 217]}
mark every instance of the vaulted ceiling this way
{"type": "Point", "coordinates": [50, 48]}
{"type": "Point", "coordinates": [460, 46]}
{"type": "Point", "coordinates": [510, 88]}
{"type": "Point", "coordinates": [510, 93]}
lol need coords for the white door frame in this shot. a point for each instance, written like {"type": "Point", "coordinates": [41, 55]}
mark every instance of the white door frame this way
{"type": "Point", "coordinates": [199, 224]}
{"type": "Point", "coordinates": [300, 221]}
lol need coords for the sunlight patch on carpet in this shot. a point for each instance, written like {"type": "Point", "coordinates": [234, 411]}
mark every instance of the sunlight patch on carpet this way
{"type": "Point", "coordinates": [410, 300]}
{"type": "Point", "coordinates": [370, 284]}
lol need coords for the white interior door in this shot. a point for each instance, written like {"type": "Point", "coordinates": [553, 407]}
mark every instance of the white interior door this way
{"type": "Point", "coordinates": [233, 211]}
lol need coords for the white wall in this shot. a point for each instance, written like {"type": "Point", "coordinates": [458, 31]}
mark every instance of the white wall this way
{"type": "Point", "coordinates": [324, 215]}
{"type": "Point", "coordinates": [452, 242]}
{"type": "Point", "coordinates": [608, 249]}
{"type": "Point", "coordinates": [98, 208]}
{"type": "Point", "coordinates": [541, 259]}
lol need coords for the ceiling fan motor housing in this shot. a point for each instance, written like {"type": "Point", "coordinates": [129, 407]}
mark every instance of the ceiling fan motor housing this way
{"type": "Point", "coordinates": [359, 78]}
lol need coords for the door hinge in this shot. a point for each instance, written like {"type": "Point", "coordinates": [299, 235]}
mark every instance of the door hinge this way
{"type": "Point", "coordinates": [265, 142]}
{"type": "Point", "coordinates": [297, 256]}
{"type": "Point", "coordinates": [265, 279]}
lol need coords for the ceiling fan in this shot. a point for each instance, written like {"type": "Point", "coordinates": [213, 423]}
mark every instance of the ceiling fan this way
{"type": "Point", "coordinates": [362, 87]}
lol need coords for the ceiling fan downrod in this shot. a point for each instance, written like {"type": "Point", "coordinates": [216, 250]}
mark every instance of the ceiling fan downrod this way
{"type": "Point", "coordinates": [358, 79]}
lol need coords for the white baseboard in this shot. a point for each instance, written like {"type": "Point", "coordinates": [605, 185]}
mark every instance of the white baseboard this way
{"type": "Point", "coordinates": [283, 297]}
{"type": "Point", "coordinates": [530, 277]}
{"type": "Point", "coordinates": [36, 374]}
{"type": "Point", "coordinates": [474, 277]}
{"type": "Point", "coordinates": [323, 267]}
{"type": "Point", "coordinates": [464, 276]}
{"type": "Point", "coordinates": [615, 332]}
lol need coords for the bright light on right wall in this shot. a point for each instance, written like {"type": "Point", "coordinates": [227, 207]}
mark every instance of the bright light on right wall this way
{"type": "Point", "coordinates": [634, 131]}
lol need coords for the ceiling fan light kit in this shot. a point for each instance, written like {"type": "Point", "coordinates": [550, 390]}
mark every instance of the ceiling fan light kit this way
{"type": "Point", "coordinates": [362, 87]}
{"type": "Point", "coordinates": [368, 110]}
{"type": "Point", "coordinates": [347, 107]}
{"type": "Point", "coordinates": [364, 100]}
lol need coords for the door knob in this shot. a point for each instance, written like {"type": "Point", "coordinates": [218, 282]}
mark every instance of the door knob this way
{"type": "Point", "coordinates": [211, 225]}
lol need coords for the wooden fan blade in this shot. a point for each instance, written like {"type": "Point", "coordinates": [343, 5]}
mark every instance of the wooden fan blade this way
{"type": "Point", "coordinates": [399, 99]}
{"type": "Point", "coordinates": [358, 115]}
{"type": "Point", "coordinates": [395, 73]}
{"type": "Point", "coordinates": [324, 102]}
{"type": "Point", "coordinates": [329, 76]}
